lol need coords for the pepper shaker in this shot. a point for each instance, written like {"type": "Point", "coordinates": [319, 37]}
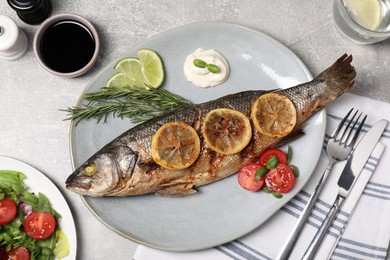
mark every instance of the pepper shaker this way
{"type": "Point", "coordinates": [31, 11]}
{"type": "Point", "coordinates": [13, 40]}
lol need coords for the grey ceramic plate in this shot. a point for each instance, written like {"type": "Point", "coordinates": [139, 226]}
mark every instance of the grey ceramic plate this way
{"type": "Point", "coordinates": [222, 211]}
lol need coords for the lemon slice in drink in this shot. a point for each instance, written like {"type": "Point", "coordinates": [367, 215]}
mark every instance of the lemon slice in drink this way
{"type": "Point", "coordinates": [131, 67]}
{"type": "Point", "coordinates": [274, 115]}
{"type": "Point", "coordinates": [175, 146]}
{"type": "Point", "coordinates": [368, 13]}
{"type": "Point", "coordinates": [152, 67]}
{"type": "Point", "coordinates": [118, 80]}
{"type": "Point", "coordinates": [226, 131]}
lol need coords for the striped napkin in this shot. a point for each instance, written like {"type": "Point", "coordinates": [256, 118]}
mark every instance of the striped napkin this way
{"type": "Point", "coordinates": [365, 214]}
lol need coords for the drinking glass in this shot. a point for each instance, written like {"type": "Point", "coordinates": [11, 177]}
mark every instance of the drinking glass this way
{"type": "Point", "coordinates": [375, 16]}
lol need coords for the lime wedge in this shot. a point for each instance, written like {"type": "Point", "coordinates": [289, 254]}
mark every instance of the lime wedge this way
{"type": "Point", "coordinates": [118, 80]}
{"type": "Point", "coordinates": [131, 67]}
{"type": "Point", "coordinates": [152, 67]}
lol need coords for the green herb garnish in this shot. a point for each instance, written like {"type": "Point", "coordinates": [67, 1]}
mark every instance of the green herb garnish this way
{"type": "Point", "coordinates": [213, 68]}
{"type": "Point", "coordinates": [260, 173]}
{"type": "Point", "coordinates": [295, 170]}
{"type": "Point", "coordinates": [277, 195]}
{"type": "Point", "coordinates": [272, 162]}
{"type": "Point", "coordinates": [210, 67]}
{"type": "Point", "coordinates": [289, 154]}
{"type": "Point", "coordinates": [200, 63]}
{"type": "Point", "coordinates": [138, 104]}
{"type": "Point", "coordinates": [266, 190]}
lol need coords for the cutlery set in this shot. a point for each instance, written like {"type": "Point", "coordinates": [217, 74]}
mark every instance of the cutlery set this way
{"type": "Point", "coordinates": [340, 147]}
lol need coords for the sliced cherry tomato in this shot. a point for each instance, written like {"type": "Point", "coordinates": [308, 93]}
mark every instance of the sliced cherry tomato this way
{"type": "Point", "coordinates": [39, 225]}
{"type": "Point", "coordinates": [267, 154]}
{"type": "Point", "coordinates": [20, 253]}
{"type": "Point", "coordinates": [280, 179]}
{"type": "Point", "coordinates": [7, 210]}
{"type": "Point", "coordinates": [246, 177]}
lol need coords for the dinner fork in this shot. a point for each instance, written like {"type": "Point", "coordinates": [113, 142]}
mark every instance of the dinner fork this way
{"type": "Point", "coordinates": [338, 149]}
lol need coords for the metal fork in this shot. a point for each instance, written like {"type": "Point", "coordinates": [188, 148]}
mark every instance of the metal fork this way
{"type": "Point", "coordinates": [338, 149]}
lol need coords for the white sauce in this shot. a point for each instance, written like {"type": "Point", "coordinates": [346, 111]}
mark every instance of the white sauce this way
{"type": "Point", "coordinates": [202, 77]}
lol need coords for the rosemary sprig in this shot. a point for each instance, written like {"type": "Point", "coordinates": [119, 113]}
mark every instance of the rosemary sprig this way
{"type": "Point", "coordinates": [137, 104]}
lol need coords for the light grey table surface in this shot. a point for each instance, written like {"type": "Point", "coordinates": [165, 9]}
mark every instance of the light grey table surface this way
{"type": "Point", "coordinates": [32, 127]}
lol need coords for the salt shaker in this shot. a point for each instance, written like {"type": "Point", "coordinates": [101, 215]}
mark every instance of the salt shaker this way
{"type": "Point", "coordinates": [13, 40]}
{"type": "Point", "coordinates": [31, 11]}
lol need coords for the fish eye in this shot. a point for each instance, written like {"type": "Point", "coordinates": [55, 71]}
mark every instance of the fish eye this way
{"type": "Point", "coordinates": [89, 170]}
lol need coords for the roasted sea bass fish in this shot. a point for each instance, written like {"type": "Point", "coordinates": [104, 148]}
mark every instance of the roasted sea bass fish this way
{"type": "Point", "coordinates": [125, 166]}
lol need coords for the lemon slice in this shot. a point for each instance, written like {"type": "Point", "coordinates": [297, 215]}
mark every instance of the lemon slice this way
{"type": "Point", "coordinates": [367, 13]}
{"type": "Point", "coordinates": [226, 131]}
{"type": "Point", "coordinates": [152, 67]}
{"type": "Point", "coordinates": [274, 115]}
{"type": "Point", "coordinates": [175, 146]}
{"type": "Point", "coordinates": [131, 67]}
{"type": "Point", "coordinates": [118, 80]}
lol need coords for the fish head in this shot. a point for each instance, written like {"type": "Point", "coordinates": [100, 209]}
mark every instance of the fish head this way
{"type": "Point", "coordinates": [103, 172]}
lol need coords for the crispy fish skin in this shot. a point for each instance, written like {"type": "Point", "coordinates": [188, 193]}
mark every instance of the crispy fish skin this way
{"type": "Point", "coordinates": [125, 165]}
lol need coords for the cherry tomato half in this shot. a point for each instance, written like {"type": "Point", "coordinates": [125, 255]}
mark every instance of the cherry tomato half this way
{"type": "Point", "coordinates": [20, 253]}
{"type": "Point", "coordinates": [246, 177]}
{"type": "Point", "coordinates": [7, 210]}
{"type": "Point", "coordinates": [267, 154]}
{"type": "Point", "coordinates": [280, 179]}
{"type": "Point", "coordinates": [39, 225]}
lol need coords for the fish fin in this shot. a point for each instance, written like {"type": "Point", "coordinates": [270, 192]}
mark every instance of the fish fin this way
{"type": "Point", "coordinates": [340, 76]}
{"type": "Point", "coordinates": [294, 135]}
{"type": "Point", "coordinates": [181, 189]}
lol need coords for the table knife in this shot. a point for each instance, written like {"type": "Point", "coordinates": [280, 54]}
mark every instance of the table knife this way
{"type": "Point", "coordinates": [348, 177]}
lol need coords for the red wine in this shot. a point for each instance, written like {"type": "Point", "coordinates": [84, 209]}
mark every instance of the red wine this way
{"type": "Point", "coordinates": [67, 46]}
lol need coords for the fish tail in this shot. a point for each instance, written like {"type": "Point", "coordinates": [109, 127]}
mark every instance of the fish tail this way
{"type": "Point", "coordinates": [311, 96]}
{"type": "Point", "coordinates": [339, 77]}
